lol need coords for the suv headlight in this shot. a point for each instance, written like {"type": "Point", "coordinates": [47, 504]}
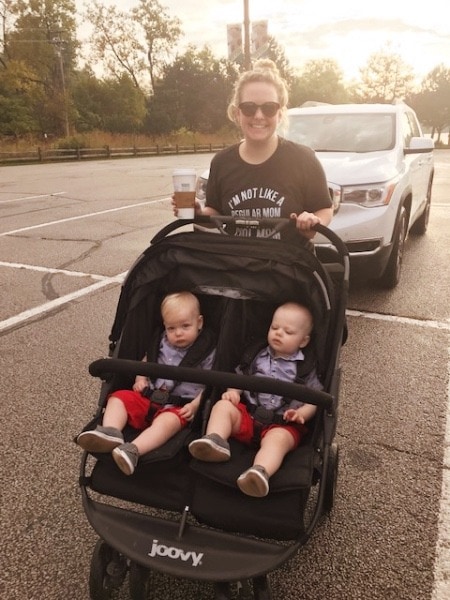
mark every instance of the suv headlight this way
{"type": "Point", "coordinates": [368, 195]}
{"type": "Point", "coordinates": [335, 195]}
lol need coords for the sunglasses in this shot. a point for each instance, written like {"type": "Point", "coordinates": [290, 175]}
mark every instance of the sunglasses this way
{"type": "Point", "coordinates": [268, 109]}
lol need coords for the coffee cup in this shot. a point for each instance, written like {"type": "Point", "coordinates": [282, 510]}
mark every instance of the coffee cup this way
{"type": "Point", "coordinates": [184, 181]}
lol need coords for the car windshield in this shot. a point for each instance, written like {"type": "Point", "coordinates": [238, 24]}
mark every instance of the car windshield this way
{"type": "Point", "coordinates": [343, 132]}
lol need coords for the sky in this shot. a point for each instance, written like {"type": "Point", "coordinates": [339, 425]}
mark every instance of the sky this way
{"type": "Point", "coordinates": [348, 31]}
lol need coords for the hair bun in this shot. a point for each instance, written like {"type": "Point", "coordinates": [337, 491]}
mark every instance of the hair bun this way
{"type": "Point", "coordinates": [265, 64]}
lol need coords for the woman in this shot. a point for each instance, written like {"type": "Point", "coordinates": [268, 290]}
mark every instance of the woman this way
{"type": "Point", "coordinates": [265, 175]}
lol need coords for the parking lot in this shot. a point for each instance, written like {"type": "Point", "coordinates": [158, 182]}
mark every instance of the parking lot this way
{"type": "Point", "coordinates": [68, 234]}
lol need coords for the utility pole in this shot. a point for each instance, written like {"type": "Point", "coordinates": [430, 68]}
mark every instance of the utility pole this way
{"type": "Point", "coordinates": [247, 56]}
{"type": "Point", "coordinates": [58, 44]}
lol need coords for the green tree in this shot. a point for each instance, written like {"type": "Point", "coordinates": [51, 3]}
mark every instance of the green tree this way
{"type": "Point", "coordinates": [385, 78]}
{"type": "Point", "coordinates": [192, 93]}
{"type": "Point", "coordinates": [41, 35]}
{"type": "Point", "coordinates": [161, 33]}
{"type": "Point", "coordinates": [320, 81]}
{"type": "Point", "coordinates": [277, 53]}
{"type": "Point", "coordinates": [432, 103]}
{"type": "Point", "coordinates": [113, 104]}
{"type": "Point", "coordinates": [88, 99]}
{"type": "Point", "coordinates": [16, 116]}
{"type": "Point", "coordinates": [115, 44]}
{"type": "Point", "coordinates": [137, 42]}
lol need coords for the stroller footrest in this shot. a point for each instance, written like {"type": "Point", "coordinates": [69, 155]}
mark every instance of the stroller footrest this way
{"type": "Point", "coordinates": [196, 552]}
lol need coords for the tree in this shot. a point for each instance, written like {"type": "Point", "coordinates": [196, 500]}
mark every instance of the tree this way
{"type": "Point", "coordinates": [115, 44]}
{"type": "Point", "coordinates": [42, 37]}
{"type": "Point", "coordinates": [16, 116]}
{"type": "Point", "coordinates": [432, 103]}
{"type": "Point", "coordinates": [193, 93]}
{"type": "Point", "coordinates": [111, 104]}
{"type": "Point", "coordinates": [161, 34]}
{"type": "Point", "coordinates": [277, 53]}
{"type": "Point", "coordinates": [385, 78]}
{"type": "Point", "coordinates": [321, 81]}
{"type": "Point", "coordinates": [137, 42]}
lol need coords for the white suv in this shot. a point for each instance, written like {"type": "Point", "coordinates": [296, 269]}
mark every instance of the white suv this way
{"type": "Point", "coordinates": [379, 168]}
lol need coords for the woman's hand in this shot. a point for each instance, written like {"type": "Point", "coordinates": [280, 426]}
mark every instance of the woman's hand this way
{"type": "Point", "coordinates": [198, 208]}
{"type": "Point", "coordinates": [305, 221]}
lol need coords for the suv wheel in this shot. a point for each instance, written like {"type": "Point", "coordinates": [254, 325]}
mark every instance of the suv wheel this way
{"type": "Point", "coordinates": [421, 225]}
{"type": "Point", "coordinates": [391, 275]}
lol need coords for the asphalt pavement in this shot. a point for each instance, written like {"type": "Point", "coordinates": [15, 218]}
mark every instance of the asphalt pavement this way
{"type": "Point", "coordinates": [68, 233]}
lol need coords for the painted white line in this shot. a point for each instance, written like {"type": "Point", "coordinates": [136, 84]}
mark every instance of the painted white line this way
{"type": "Point", "coordinates": [441, 588]}
{"type": "Point", "coordinates": [48, 306]}
{"type": "Point", "coordinates": [50, 270]}
{"type": "Point", "coordinates": [404, 320]}
{"type": "Point", "coordinates": [50, 195]}
{"type": "Point", "coordinates": [86, 216]}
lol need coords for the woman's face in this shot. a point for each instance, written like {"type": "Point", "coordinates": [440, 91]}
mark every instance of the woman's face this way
{"type": "Point", "coordinates": [260, 127]}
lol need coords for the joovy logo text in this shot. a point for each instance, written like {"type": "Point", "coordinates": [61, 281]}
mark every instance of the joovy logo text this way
{"type": "Point", "coordinates": [175, 553]}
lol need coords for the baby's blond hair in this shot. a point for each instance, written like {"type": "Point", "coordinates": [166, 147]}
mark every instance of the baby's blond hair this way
{"type": "Point", "coordinates": [173, 302]}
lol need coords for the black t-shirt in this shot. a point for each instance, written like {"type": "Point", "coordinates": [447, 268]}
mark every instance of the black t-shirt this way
{"type": "Point", "coordinates": [292, 180]}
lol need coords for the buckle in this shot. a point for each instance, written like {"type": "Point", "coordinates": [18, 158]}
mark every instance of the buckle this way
{"type": "Point", "coordinates": [160, 396]}
{"type": "Point", "coordinates": [263, 415]}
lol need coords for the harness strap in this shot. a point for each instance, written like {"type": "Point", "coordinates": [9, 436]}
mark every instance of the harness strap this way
{"type": "Point", "coordinates": [159, 398]}
{"type": "Point", "coordinates": [200, 349]}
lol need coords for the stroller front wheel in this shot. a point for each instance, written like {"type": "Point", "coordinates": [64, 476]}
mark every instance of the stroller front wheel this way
{"type": "Point", "coordinates": [262, 589]}
{"type": "Point", "coordinates": [222, 590]}
{"type": "Point", "coordinates": [139, 582]}
{"type": "Point", "coordinates": [331, 479]}
{"type": "Point", "coordinates": [107, 571]}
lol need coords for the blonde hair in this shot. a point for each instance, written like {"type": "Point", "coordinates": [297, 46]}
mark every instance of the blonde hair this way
{"type": "Point", "coordinates": [302, 312]}
{"type": "Point", "coordinates": [265, 71]}
{"type": "Point", "coordinates": [185, 300]}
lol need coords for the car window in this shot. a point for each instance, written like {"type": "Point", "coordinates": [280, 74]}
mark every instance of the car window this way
{"type": "Point", "coordinates": [410, 128]}
{"type": "Point", "coordinates": [406, 130]}
{"type": "Point", "coordinates": [343, 133]}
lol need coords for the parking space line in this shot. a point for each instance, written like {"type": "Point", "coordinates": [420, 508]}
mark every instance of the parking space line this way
{"type": "Point", "coordinates": [441, 588]}
{"type": "Point", "coordinates": [85, 216]}
{"type": "Point", "coordinates": [404, 320]}
{"type": "Point", "coordinates": [50, 195]}
{"type": "Point", "coordinates": [51, 270]}
{"type": "Point", "coordinates": [57, 302]}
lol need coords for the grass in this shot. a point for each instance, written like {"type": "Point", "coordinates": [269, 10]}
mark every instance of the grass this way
{"type": "Point", "coordinates": [100, 139]}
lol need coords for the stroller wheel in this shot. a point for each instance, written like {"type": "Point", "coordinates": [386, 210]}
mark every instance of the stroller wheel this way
{"type": "Point", "coordinates": [261, 588]}
{"type": "Point", "coordinates": [222, 590]}
{"type": "Point", "coordinates": [331, 479]}
{"type": "Point", "coordinates": [108, 570]}
{"type": "Point", "coordinates": [139, 582]}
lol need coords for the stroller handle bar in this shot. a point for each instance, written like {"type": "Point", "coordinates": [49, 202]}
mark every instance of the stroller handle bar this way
{"type": "Point", "coordinates": [277, 223]}
{"type": "Point", "coordinates": [105, 367]}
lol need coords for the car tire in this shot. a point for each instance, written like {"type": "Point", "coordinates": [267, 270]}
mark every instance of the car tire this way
{"type": "Point", "coordinates": [421, 225]}
{"type": "Point", "coordinates": [391, 275]}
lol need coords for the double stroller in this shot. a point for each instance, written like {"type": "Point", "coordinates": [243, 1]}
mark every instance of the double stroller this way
{"type": "Point", "coordinates": [187, 518]}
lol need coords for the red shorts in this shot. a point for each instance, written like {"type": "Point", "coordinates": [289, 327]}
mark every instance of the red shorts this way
{"type": "Point", "coordinates": [246, 430]}
{"type": "Point", "coordinates": [137, 407]}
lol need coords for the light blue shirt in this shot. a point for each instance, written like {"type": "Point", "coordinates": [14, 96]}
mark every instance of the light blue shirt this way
{"type": "Point", "coordinates": [169, 354]}
{"type": "Point", "coordinates": [265, 364]}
